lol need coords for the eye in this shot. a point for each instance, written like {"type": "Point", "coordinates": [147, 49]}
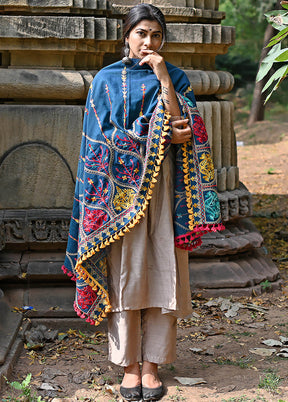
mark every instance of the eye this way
{"type": "Point", "coordinates": [141, 33]}
{"type": "Point", "coordinates": [157, 36]}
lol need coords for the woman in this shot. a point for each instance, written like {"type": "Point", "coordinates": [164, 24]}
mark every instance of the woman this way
{"type": "Point", "coordinates": [139, 153]}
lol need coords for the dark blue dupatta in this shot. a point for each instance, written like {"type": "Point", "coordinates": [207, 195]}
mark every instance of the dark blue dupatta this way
{"type": "Point", "coordinates": [126, 135]}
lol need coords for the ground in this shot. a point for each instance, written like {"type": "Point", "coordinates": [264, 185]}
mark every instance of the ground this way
{"type": "Point", "coordinates": [220, 350]}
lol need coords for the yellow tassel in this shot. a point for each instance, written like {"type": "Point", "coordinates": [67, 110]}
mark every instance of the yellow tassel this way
{"type": "Point", "coordinates": [116, 237]}
{"type": "Point", "coordinates": [107, 242]}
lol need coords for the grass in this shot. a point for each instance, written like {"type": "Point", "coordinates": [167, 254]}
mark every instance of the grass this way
{"type": "Point", "coordinates": [270, 382]}
{"type": "Point", "coordinates": [238, 334]}
{"type": "Point", "coordinates": [177, 396]}
{"type": "Point", "coordinates": [24, 391]}
{"type": "Point", "coordinates": [242, 363]}
{"type": "Point", "coordinates": [243, 398]}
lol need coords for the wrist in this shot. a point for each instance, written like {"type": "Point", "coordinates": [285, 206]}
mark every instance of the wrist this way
{"type": "Point", "coordinates": [166, 82]}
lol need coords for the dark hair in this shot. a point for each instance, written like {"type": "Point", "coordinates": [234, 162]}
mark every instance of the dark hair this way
{"type": "Point", "coordinates": [143, 12]}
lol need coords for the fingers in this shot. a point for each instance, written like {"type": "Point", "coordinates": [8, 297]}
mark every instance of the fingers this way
{"type": "Point", "coordinates": [181, 135]}
{"type": "Point", "coordinates": [151, 58]}
{"type": "Point", "coordinates": [180, 123]}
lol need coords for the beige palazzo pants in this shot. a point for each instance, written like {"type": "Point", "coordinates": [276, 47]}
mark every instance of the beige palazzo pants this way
{"type": "Point", "coordinates": [148, 282]}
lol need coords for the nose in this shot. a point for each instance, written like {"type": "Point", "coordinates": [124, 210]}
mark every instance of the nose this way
{"type": "Point", "coordinates": [148, 41]}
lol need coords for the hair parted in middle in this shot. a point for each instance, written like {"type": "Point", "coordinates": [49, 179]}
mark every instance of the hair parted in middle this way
{"type": "Point", "coordinates": [141, 12]}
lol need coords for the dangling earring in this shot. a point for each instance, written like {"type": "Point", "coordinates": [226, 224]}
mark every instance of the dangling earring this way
{"type": "Point", "coordinates": [126, 59]}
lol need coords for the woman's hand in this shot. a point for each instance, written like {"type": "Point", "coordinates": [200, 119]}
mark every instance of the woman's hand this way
{"type": "Point", "coordinates": [181, 131]}
{"type": "Point", "coordinates": [157, 63]}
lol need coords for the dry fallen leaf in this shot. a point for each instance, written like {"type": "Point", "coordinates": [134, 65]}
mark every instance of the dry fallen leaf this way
{"type": "Point", "coordinates": [263, 351]}
{"type": "Point", "coordinates": [190, 381]}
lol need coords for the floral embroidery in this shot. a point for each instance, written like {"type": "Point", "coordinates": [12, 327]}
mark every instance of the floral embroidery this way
{"type": "Point", "coordinates": [99, 160]}
{"type": "Point", "coordinates": [206, 167]}
{"type": "Point", "coordinates": [212, 205]}
{"type": "Point", "coordinates": [93, 219]}
{"type": "Point", "coordinates": [124, 198]}
{"type": "Point", "coordinates": [199, 129]}
{"type": "Point", "coordinates": [129, 174]}
{"type": "Point", "coordinates": [86, 297]}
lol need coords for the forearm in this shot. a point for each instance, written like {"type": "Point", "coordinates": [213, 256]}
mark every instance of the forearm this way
{"type": "Point", "coordinates": [170, 98]}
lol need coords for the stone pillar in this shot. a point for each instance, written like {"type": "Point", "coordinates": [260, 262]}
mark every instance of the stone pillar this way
{"type": "Point", "coordinates": [50, 52]}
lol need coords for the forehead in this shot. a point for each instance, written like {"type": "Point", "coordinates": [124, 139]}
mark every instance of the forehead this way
{"type": "Point", "coordinates": [148, 25]}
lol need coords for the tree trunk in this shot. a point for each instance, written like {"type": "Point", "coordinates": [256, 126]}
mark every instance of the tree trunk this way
{"type": "Point", "coordinates": [257, 108]}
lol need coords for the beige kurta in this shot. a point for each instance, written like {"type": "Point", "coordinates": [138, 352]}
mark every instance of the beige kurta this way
{"type": "Point", "coordinates": [144, 267]}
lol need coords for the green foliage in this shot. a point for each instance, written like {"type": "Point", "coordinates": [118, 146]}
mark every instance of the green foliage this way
{"type": "Point", "coordinates": [247, 16]}
{"type": "Point", "coordinates": [279, 20]}
{"type": "Point", "coordinates": [266, 285]}
{"type": "Point", "coordinates": [26, 395]}
{"type": "Point", "coordinates": [270, 381]}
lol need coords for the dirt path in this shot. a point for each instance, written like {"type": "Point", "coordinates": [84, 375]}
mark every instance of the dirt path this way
{"type": "Point", "coordinates": [211, 346]}
{"type": "Point", "coordinates": [263, 160]}
{"type": "Point", "coordinates": [77, 366]}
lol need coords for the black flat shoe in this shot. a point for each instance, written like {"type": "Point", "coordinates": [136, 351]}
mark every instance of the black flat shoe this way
{"type": "Point", "coordinates": [131, 394]}
{"type": "Point", "coordinates": [152, 394]}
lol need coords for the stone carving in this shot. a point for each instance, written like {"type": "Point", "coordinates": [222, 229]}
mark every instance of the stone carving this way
{"type": "Point", "coordinates": [14, 229]}
{"type": "Point", "coordinates": [42, 226]}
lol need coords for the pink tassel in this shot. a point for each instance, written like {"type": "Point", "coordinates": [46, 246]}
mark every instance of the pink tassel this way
{"type": "Point", "coordinates": [72, 276]}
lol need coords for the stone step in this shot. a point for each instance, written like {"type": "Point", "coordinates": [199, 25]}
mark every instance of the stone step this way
{"type": "Point", "coordinates": [10, 267]}
{"type": "Point", "coordinates": [47, 299]}
{"type": "Point", "coordinates": [43, 266]}
{"type": "Point", "coordinates": [240, 273]}
{"type": "Point", "coordinates": [9, 325]}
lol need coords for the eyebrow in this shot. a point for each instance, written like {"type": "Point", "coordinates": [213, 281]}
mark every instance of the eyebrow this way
{"type": "Point", "coordinates": [146, 30]}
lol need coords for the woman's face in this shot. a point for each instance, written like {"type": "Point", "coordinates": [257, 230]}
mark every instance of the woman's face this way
{"type": "Point", "coordinates": [147, 35]}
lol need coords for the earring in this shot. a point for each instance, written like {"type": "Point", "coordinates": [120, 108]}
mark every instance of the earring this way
{"type": "Point", "coordinates": [126, 59]}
